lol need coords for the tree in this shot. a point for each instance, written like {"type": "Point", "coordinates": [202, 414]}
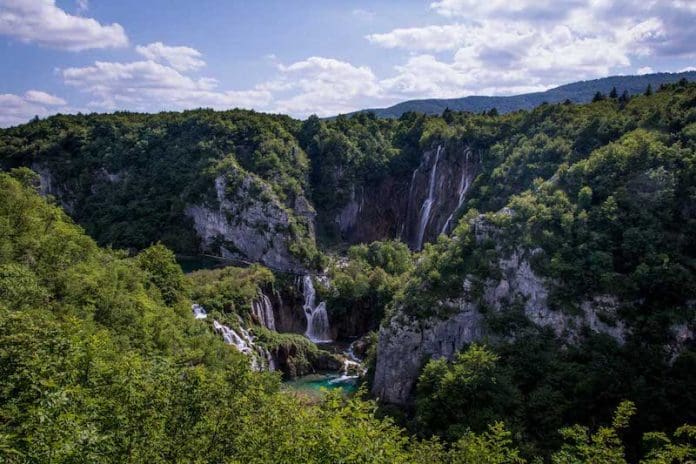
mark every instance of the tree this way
{"type": "Point", "coordinates": [648, 90]}
{"type": "Point", "coordinates": [613, 94]}
{"type": "Point", "coordinates": [164, 272]}
{"type": "Point", "coordinates": [599, 96]}
{"type": "Point", "coordinates": [625, 97]}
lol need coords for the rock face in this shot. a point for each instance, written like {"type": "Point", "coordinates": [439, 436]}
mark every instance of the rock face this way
{"type": "Point", "coordinates": [403, 348]}
{"type": "Point", "coordinates": [247, 223]}
{"type": "Point", "coordinates": [405, 344]}
{"type": "Point", "coordinates": [49, 186]}
{"type": "Point", "coordinates": [437, 190]}
{"type": "Point", "coordinates": [415, 208]}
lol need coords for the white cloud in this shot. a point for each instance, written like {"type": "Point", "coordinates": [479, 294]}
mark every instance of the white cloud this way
{"type": "Point", "coordinates": [179, 58]}
{"type": "Point", "coordinates": [42, 22]}
{"type": "Point", "coordinates": [43, 98]}
{"type": "Point", "coordinates": [546, 9]}
{"type": "Point", "coordinates": [436, 38]}
{"type": "Point", "coordinates": [151, 86]}
{"type": "Point", "coordinates": [324, 86]}
{"type": "Point", "coordinates": [423, 76]}
{"type": "Point", "coordinates": [503, 47]}
{"type": "Point", "coordinates": [15, 109]}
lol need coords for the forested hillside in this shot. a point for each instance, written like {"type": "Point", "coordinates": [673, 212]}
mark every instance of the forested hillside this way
{"type": "Point", "coordinates": [576, 92]}
{"type": "Point", "coordinates": [508, 276]}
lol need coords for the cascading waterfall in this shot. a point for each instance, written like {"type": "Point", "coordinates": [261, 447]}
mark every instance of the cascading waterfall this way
{"type": "Point", "coordinates": [263, 311]}
{"type": "Point", "coordinates": [318, 329]}
{"type": "Point", "coordinates": [198, 311]}
{"type": "Point", "coordinates": [243, 341]}
{"type": "Point", "coordinates": [428, 203]}
{"type": "Point", "coordinates": [243, 344]}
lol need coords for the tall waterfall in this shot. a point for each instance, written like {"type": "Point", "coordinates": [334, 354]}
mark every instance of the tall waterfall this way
{"type": "Point", "coordinates": [318, 329]}
{"type": "Point", "coordinates": [463, 188]}
{"type": "Point", "coordinates": [263, 311]}
{"type": "Point", "coordinates": [428, 203]}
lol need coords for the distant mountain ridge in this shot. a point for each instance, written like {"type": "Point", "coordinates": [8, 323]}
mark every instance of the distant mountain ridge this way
{"type": "Point", "coordinates": [577, 92]}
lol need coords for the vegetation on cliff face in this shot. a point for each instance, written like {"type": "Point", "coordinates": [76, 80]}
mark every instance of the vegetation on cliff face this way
{"type": "Point", "coordinates": [128, 177]}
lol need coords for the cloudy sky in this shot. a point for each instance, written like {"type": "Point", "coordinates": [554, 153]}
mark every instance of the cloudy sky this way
{"type": "Point", "coordinates": [320, 56]}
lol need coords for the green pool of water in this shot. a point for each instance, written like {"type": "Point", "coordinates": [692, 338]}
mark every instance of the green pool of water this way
{"type": "Point", "coordinates": [314, 385]}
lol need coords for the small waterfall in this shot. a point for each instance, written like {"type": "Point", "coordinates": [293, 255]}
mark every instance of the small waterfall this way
{"type": "Point", "coordinates": [243, 344]}
{"type": "Point", "coordinates": [318, 329]}
{"type": "Point", "coordinates": [198, 311]}
{"type": "Point", "coordinates": [428, 203]}
{"type": "Point", "coordinates": [262, 309]}
{"type": "Point", "coordinates": [243, 341]}
{"type": "Point", "coordinates": [350, 371]}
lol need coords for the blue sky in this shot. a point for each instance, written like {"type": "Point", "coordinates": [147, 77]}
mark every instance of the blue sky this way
{"type": "Point", "coordinates": [323, 57]}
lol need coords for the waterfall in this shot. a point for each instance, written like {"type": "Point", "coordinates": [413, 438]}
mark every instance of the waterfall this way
{"type": "Point", "coordinates": [351, 370]}
{"type": "Point", "coordinates": [463, 188]}
{"type": "Point", "coordinates": [243, 341]}
{"type": "Point", "coordinates": [198, 311]}
{"type": "Point", "coordinates": [317, 318]}
{"type": "Point", "coordinates": [262, 309]}
{"type": "Point", "coordinates": [428, 203]}
{"type": "Point", "coordinates": [243, 344]}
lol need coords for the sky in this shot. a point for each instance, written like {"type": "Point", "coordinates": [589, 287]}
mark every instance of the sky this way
{"type": "Point", "coordinates": [320, 57]}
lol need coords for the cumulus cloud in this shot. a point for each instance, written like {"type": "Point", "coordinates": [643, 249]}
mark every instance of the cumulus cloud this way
{"type": "Point", "coordinates": [324, 86]}
{"type": "Point", "coordinates": [504, 47]}
{"type": "Point", "coordinates": [16, 109]}
{"type": "Point", "coordinates": [42, 22]}
{"type": "Point", "coordinates": [179, 58]}
{"type": "Point", "coordinates": [151, 86]}
{"type": "Point", "coordinates": [43, 98]}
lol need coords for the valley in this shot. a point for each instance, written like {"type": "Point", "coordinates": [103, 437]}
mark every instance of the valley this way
{"type": "Point", "coordinates": [474, 283]}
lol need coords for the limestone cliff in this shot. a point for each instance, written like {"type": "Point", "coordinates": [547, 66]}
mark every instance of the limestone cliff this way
{"type": "Point", "coordinates": [247, 221]}
{"type": "Point", "coordinates": [405, 343]}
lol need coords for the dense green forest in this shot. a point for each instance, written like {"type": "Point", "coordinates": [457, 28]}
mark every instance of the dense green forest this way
{"type": "Point", "coordinates": [102, 360]}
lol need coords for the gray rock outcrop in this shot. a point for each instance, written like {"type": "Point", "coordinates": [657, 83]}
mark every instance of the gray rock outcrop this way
{"type": "Point", "coordinates": [248, 223]}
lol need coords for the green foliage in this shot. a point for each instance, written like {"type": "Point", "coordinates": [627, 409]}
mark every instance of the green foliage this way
{"type": "Point", "coordinates": [363, 285]}
{"type": "Point", "coordinates": [163, 272]}
{"type": "Point", "coordinates": [467, 394]}
{"type": "Point", "coordinates": [129, 177]}
{"type": "Point", "coordinates": [229, 290]}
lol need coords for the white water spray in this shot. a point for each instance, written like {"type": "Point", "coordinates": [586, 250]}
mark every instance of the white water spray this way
{"type": "Point", "coordinates": [318, 329]}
